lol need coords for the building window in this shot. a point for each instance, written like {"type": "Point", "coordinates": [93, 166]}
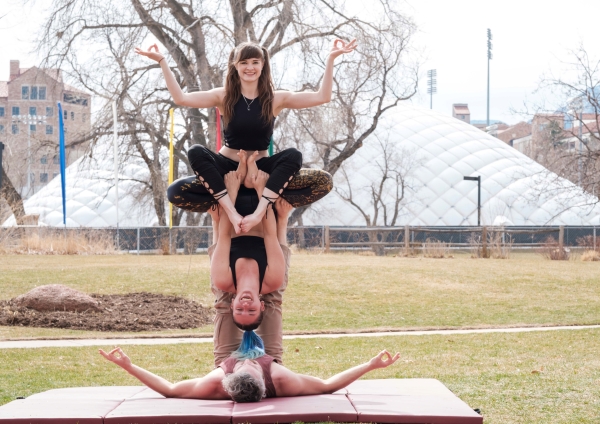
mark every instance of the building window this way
{"type": "Point", "coordinates": [49, 130]}
{"type": "Point", "coordinates": [49, 111]}
{"type": "Point", "coordinates": [1, 112]}
{"type": "Point", "coordinates": [74, 99]}
{"type": "Point", "coordinates": [1, 129]}
{"type": "Point", "coordinates": [32, 128]}
{"type": "Point", "coordinates": [25, 92]}
{"type": "Point", "coordinates": [32, 110]}
{"type": "Point", "coordinates": [66, 114]}
{"type": "Point", "coordinates": [54, 175]}
{"type": "Point", "coordinates": [15, 110]}
{"type": "Point", "coordinates": [43, 177]}
{"type": "Point", "coordinates": [72, 116]}
{"type": "Point", "coordinates": [55, 160]}
{"type": "Point", "coordinates": [42, 93]}
{"type": "Point", "coordinates": [44, 160]}
{"type": "Point", "coordinates": [34, 93]}
{"type": "Point", "coordinates": [15, 129]}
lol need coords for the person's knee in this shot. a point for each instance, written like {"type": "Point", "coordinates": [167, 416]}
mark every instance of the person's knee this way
{"type": "Point", "coordinates": [197, 152]}
{"type": "Point", "coordinates": [294, 156]}
{"type": "Point", "coordinates": [174, 192]}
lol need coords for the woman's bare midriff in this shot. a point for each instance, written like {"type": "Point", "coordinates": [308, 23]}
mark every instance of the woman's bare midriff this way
{"type": "Point", "coordinates": [256, 231]}
{"type": "Point", "coordinates": [232, 153]}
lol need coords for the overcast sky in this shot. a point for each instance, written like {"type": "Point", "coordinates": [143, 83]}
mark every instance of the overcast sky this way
{"type": "Point", "coordinates": [530, 37]}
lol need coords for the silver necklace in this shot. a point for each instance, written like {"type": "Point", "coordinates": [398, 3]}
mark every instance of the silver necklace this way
{"type": "Point", "coordinates": [246, 100]}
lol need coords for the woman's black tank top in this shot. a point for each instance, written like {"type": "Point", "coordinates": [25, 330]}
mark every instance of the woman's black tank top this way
{"type": "Point", "coordinates": [248, 247]}
{"type": "Point", "coordinates": [247, 129]}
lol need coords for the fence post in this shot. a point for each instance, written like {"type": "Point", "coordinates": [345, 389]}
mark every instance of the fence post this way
{"type": "Point", "coordinates": [406, 239]}
{"type": "Point", "coordinates": [561, 236]}
{"type": "Point", "coordinates": [484, 252]}
{"type": "Point", "coordinates": [327, 239]}
{"type": "Point", "coordinates": [138, 241]}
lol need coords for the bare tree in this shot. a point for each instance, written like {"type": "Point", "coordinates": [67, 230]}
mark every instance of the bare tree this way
{"type": "Point", "coordinates": [565, 138]}
{"type": "Point", "coordinates": [198, 35]}
{"type": "Point", "coordinates": [380, 202]}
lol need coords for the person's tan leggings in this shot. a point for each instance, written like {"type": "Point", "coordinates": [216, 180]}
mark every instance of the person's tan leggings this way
{"type": "Point", "coordinates": [227, 337]}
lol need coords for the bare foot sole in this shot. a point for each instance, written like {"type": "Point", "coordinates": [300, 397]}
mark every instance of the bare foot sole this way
{"type": "Point", "coordinates": [252, 170]}
{"type": "Point", "coordinates": [242, 168]}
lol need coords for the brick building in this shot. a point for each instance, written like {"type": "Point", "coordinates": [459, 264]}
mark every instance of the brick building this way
{"type": "Point", "coordinates": [29, 125]}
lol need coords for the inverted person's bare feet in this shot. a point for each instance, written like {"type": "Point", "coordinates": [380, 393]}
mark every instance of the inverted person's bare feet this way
{"type": "Point", "coordinates": [252, 170]}
{"type": "Point", "coordinates": [259, 183]}
{"type": "Point", "coordinates": [283, 208]}
{"type": "Point", "coordinates": [214, 213]}
{"type": "Point", "coordinates": [232, 184]}
{"type": "Point", "coordinates": [242, 168]}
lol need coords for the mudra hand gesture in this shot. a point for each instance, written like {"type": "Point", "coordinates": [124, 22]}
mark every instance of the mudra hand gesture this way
{"type": "Point", "coordinates": [383, 359]}
{"type": "Point", "coordinates": [341, 47]}
{"type": "Point", "coordinates": [156, 55]}
{"type": "Point", "coordinates": [117, 356]}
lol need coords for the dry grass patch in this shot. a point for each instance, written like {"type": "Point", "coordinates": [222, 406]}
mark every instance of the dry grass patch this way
{"type": "Point", "coordinates": [590, 255]}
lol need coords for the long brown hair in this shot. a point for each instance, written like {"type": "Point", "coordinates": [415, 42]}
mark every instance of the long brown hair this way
{"type": "Point", "coordinates": [233, 87]}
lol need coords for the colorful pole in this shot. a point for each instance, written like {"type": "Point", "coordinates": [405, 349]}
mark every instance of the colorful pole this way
{"type": "Point", "coordinates": [61, 149]}
{"type": "Point", "coordinates": [218, 147]}
{"type": "Point", "coordinates": [271, 147]}
{"type": "Point", "coordinates": [171, 164]}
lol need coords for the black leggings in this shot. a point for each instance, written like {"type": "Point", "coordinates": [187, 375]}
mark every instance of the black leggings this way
{"type": "Point", "coordinates": [306, 187]}
{"type": "Point", "coordinates": [212, 167]}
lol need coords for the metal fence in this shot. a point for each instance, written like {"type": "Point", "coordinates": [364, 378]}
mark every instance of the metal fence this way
{"type": "Point", "coordinates": [197, 239]}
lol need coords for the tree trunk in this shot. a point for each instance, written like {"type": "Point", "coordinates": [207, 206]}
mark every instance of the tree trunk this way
{"type": "Point", "coordinates": [13, 198]}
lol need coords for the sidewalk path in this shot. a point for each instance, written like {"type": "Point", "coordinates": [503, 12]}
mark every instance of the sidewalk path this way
{"type": "Point", "coordinates": [164, 341]}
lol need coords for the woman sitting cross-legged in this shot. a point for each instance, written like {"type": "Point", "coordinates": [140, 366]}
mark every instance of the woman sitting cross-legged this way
{"type": "Point", "coordinates": [249, 375]}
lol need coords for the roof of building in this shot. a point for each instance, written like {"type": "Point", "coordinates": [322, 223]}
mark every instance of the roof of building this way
{"type": "Point", "coordinates": [462, 109]}
{"type": "Point", "coordinates": [75, 90]}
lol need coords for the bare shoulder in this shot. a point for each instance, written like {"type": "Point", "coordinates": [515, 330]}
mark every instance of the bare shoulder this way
{"type": "Point", "coordinates": [280, 374]}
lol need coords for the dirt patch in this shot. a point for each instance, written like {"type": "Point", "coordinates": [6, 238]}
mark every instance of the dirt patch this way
{"type": "Point", "coordinates": [119, 312]}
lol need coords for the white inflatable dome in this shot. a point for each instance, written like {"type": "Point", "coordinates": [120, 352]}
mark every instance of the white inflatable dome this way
{"type": "Point", "coordinates": [443, 151]}
{"type": "Point", "coordinates": [91, 197]}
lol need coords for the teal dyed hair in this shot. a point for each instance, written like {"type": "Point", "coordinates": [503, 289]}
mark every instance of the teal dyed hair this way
{"type": "Point", "coordinates": [252, 347]}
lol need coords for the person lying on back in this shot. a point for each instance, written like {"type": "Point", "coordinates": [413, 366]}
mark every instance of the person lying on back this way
{"type": "Point", "coordinates": [249, 375]}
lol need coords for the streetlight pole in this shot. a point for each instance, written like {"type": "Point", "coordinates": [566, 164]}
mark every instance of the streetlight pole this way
{"type": "Point", "coordinates": [478, 179]}
{"type": "Point", "coordinates": [489, 56]}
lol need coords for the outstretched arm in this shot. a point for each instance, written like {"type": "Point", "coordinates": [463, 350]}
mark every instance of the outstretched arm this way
{"type": "Point", "coordinates": [292, 384]}
{"type": "Point", "coordinates": [199, 99]}
{"type": "Point", "coordinates": [220, 268]}
{"type": "Point", "coordinates": [292, 100]}
{"type": "Point", "coordinates": [207, 387]}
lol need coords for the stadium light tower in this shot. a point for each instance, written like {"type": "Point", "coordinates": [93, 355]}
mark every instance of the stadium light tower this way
{"type": "Point", "coordinates": [489, 56]}
{"type": "Point", "coordinates": [431, 85]}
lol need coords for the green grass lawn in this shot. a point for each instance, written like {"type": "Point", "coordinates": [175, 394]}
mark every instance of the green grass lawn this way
{"type": "Point", "coordinates": [340, 292]}
{"type": "Point", "coordinates": [492, 372]}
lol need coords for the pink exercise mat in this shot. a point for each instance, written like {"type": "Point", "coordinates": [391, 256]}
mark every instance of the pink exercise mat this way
{"type": "Point", "coordinates": [416, 401]}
